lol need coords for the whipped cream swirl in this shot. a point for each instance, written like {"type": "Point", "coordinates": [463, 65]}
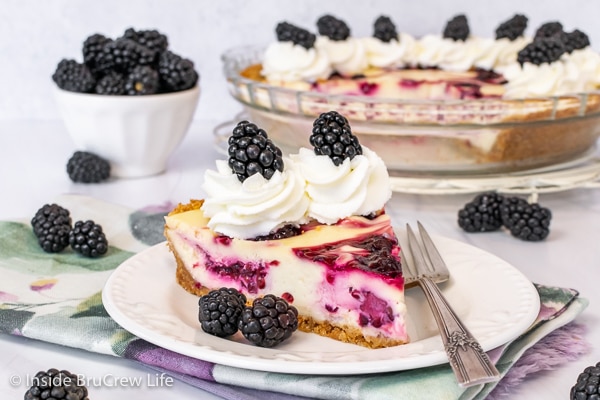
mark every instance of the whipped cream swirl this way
{"type": "Point", "coordinates": [393, 54]}
{"type": "Point", "coordinates": [532, 80]}
{"type": "Point", "coordinates": [285, 61]}
{"type": "Point", "coordinates": [356, 187]}
{"type": "Point", "coordinates": [582, 69]}
{"type": "Point", "coordinates": [347, 57]}
{"type": "Point", "coordinates": [448, 54]}
{"type": "Point", "coordinates": [256, 206]}
{"type": "Point", "coordinates": [497, 54]}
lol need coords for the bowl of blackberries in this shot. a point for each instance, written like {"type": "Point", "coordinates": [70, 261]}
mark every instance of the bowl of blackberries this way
{"type": "Point", "coordinates": [129, 100]}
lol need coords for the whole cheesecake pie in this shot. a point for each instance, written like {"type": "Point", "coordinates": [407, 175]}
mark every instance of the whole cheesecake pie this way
{"type": "Point", "coordinates": [310, 227]}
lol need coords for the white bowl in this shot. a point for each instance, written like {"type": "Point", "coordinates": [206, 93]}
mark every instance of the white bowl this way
{"type": "Point", "coordinates": [136, 134]}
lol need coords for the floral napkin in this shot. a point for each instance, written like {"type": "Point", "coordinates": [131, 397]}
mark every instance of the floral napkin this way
{"type": "Point", "coordinates": [57, 298]}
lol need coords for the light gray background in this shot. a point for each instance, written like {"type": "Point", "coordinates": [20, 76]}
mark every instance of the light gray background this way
{"type": "Point", "coordinates": [36, 34]}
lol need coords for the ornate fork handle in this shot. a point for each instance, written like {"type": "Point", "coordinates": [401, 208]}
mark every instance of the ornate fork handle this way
{"type": "Point", "coordinates": [470, 363]}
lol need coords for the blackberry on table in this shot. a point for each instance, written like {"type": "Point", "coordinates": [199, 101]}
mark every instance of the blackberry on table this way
{"type": "Point", "coordinates": [546, 50]}
{"type": "Point", "coordinates": [287, 32]}
{"type": "Point", "coordinates": [92, 46]}
{"type": "Point", "coordinates": [548, 29]}
{"type": "Point", "coordinates": [112, 84]}
{"type": "Point", "coordinates": [143, 79]}
{"type": "Point", "coordinates": [175, 72]}
{"type": "Point", "coordinates": [73, 76]}
{"type": "Point", "coordinates": [88, 239]}
{"type": "Point", "coordinates": [457, 28]}
{"type": "Point", "coordinates": [122, 55]}
{"type": "Point", "coordinates": [587, 386]}
{"type": "Point", "coordinates": [513, 28]}
{"type": "Point", "coordinates": [482, 214]}
{"type": "Point", "coordinates": [332, 136]}
{"type": "Point", "coordinates": [385, 29]}
{"type": "Point", "coordinates": [51, 225]}
{"type": "Point", "coordinates": [57, 385]}
{"type": "Point", "coordinates": [529, 222]}
{"type": "Point", "coordinates": [151, 38]}
{"type": "Point", "coordinates": [269, 321]}
{"type": "Point", "coordinates": [576, 40]}
{"type": "Point", "coordinates": [86, 167]}
{"type": "Point", "coordinates": [251, 152]}
{"type": "Point", "coordinates": [332, 27]}
{"type": "Point", "coordinates": [220, 311]}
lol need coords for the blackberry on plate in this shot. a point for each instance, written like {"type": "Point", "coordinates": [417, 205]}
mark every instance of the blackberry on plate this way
{"type": "Point", "coordinates": [112, 84]}
{"type": "Point", "coordinates": [482, 214]}
{"type": "Point", "coordinates": [73, 76]}
{"type": "Point", "coordinates": [151, 38]}
{"type": "Point", "coordinates": [513, 28]}
{"type": "Point", "coordinates": [287, 32]}
{"type": "Point", "coordinates": [251, 152]}
{"type": "Point", "coordinates": [57, 385]}
{"type": "Point", "coordinates": [51, 225]}
{"type": "Point", "coordinates": [220, 311]}
{"type": "Point", "coordinates": [86, 167]}
{"type": "Point", "coordinates": [332, 136]}
{"type": "Point", "coordinates": [333, 28]}
{"type": "Point", "coordinates": [122, 55]}
{"type": "Point", "coordinates": [384, 29]}
{"type": "Point", "coordinates": [88, 239]}
{"type": "Point", "coordinates": [587, 386]}
{"type": "Point", "coordinates": [92, 46]}
{"type": "Point", "coordinates": [546, 50]}
{"type": "Point", "coordinates": [143, 79]}
{"type": "Point", "coordinates": [457, 28]}
{"type": "Point", "coordinates": [548, 29]}
{"type": "Point", "coordinates": [175, 72]}
{"type": "Point", "coordinates": [529, 222]}
{"type": "Point", "coordinates": [576, 40]}
{"type": "Point", "coordinates": [269, 321]}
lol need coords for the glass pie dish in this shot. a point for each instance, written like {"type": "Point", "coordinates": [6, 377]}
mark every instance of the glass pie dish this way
{"type": "Point", "coordinates": [427, 136]}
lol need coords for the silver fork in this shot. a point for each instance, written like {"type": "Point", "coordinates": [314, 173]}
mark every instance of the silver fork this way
{"type": "Point", "coordinates": [470, 363]}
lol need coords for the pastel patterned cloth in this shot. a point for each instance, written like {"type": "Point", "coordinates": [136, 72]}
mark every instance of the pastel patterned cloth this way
{"type": "Point", "coordinates": [57, 298]}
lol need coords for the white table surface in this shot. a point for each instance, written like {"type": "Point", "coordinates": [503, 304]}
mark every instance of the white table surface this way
{"type": "Point", "coordinates": [33, 156]}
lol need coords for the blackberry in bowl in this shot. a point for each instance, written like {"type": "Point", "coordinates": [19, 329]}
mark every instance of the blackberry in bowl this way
{"type": "Point", "coordinates": [130, 101]}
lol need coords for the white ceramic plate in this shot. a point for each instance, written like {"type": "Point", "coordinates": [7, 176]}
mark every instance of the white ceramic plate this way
{"type": "Point", "coordinates": [495, 301]}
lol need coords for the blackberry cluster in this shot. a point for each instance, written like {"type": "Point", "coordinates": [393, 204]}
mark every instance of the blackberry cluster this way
{"type": "Point", "coordinates": [269, 321]}
{"type": "Point", "coordinates": [251, 152]}
{"type": "Point", "coordinates": [51, 226]}
{"type": "Point", "coordinates": [457, 28]}
{"type": "Point", "coordinates": [287, 32]}
{"type": "Point", "coordinates": [576, 40]}
{"type": "Point", "coordinates": [587, 386]}
{"type": "Point", "coordinates": [88, 239]}
{"type": "Point", "coordinates": [86, 167]}
{"type": "Point", "coordinates": [220, 311]}
{"type": "Point", "coordinates": [513, 28]}
{"type": "Point", "coordinates": [548, 29]}
{"type": "Point", "coordinates": [545, 50]}
{"type": "Point", "coordinates": [333, 28]}
{"type": "Point", "coordinates": [136, 63]}
{"type": "Point", "coordinates": [384, 29]}
{"type": "Point", "coordinates": [332, 136]}
{"type": "Point", "coordinates": [57, 385]}
{"type": "Point", "coordinates": [490, 211]}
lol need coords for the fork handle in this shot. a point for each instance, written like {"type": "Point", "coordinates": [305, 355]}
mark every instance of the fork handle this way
{"type": "Point", "coordinates": [470, 363]}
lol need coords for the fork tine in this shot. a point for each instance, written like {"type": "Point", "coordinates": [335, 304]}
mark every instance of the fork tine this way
{"type": "Point", "coordinates": [432, 251]}
{"type": "Point", "coordinates": [407, 268]}
{"type": "Point", "coordinates": [420, 264]}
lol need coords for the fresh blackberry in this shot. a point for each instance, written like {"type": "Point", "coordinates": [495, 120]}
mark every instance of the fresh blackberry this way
{"type": "Point", "coordinates": [513, 28]}
{"type": "Point", "coordinates": [51, 225]}
{"type": "Point", "coordinates": [587, 386]}
{"type": "Point", "coordinates": [332, 136]}
{"type": "Point", "coordinates": [152, 39]}
{"type": "Point", "coordinates": [57, 385]}
{"type": "Point", "coordinates": [269, 321]}
{"type": "Point", "coordinates": [457, 28]}
{"type": "Point", "coordinates": [482, 214]}
{"type": "Point", "coordinates": [384, 29]}
{"type": "Point", "coordinates": [122, 55]}
{"type": "Point", "coordinates": [546, 50]}
{"type": "Point", "coordinates": [529, 222]}
{"type": "Point", "coordinates": [220, 311]}
{"type": "Point", "coordinates": [113, 84]}
{"type": "Point", "coordinates": [548, 29]}
{"type": "Point", "coordinates": [74, 77]}
{"type": "Point", "coordinates": [175, 72]}
{"type": "Point", "coordinates": [143, 79]}
{"type": "Point", "coordinates": [251, 152]}
{"type": "Point", "coordinates": [287, 32]}
{"type": "Point", "coordinates": [86, 167]}
{"type": "Point", "coordinates": [88, 239]}
{"type": "Point", "coordinates": [285, 231]}
{"type": "Point", "coordinates": [92, 46]}
{"type": "Point", "coordinates": [333, 28]}
{"type": "Point", "coordinates": [576, 40]}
